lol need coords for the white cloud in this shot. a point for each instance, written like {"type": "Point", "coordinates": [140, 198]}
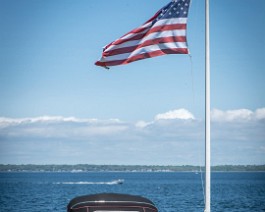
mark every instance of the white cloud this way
{"type": "Point", "coordinates": [5, 122]}
{"type": "Point", "coordinates": [175, 114]}
{"type": "Point", "coordinates": [58, 126]}
{"type": "Point", "coordinates": [142, 124]}
{"type": "Point", "coordinates": [237, 115]}
{"type": "Point", "coordinates": [260, 113]}
{"type": "Point", "coordinates": [159, 141]}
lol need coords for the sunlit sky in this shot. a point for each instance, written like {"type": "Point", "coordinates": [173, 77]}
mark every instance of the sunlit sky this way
{"type": "Point", "coordinates": [57, 107]}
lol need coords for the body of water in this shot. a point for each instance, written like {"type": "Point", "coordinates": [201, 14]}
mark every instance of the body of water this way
{"type": "Point", "coordinates": [171, 192]}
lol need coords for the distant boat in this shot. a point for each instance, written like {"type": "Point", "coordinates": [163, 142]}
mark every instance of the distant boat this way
{"type": "Point", "coordinates": [114, 182]}
{"type": "Point", "coordinates": [119, 181]}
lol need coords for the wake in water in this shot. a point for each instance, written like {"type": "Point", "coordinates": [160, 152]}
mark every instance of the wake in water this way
{"type": "Point", "coordinates": [114, 182]}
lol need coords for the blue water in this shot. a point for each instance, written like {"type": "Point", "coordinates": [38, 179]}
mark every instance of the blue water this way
{"type": "Point", "coordinates": [171, 192]}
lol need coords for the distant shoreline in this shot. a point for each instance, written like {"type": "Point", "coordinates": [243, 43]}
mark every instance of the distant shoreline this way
{"type": "Point", "coordinates": [126, 168]}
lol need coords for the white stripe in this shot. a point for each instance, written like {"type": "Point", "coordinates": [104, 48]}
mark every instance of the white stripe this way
{"type": "Point", "coordinates": [147, 26]}
{"type": "Point", "coordinates": [171, 21]}
{"type": "Point", "coordinates": [132, 34]}
{"type": "Point", "coordinates": [169, 33]}
{"type": "Point", "coordinates": [145, 50]}
{"type": "Point", "coordinates": [158, 23]}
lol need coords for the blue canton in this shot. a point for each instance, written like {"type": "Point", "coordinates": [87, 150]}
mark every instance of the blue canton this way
{"type": "Point", "coordinates": [175, 9]}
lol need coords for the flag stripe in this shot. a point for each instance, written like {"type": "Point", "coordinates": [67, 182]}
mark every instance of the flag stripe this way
{"type": "Point", "coordinates": [130, 48]}
{"type": "Point", "coordinates": [158, 23]}
{"type": "Point", "coordinates": [143, 56]}
{"type": "Point", "coordinates": [172, 33]}
{"type": "Point", "coordinates": [153, 30]}
{"type": "Point", "coordinates": [172, 21]}
{"type": "Point", "coordinates": [146, 49]}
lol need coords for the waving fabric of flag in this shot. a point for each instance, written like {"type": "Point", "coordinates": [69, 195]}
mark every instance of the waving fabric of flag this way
{"type": "Point", "coordinates": [164, 33]}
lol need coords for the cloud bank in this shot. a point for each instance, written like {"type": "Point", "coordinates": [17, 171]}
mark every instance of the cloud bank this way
{"type": "Point", "coordinates": [237, 115]}
{"type": "Point", "coordinates": [173, 137]}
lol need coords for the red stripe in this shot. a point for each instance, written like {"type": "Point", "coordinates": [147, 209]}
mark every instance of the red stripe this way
{"type": "Point", "coordinates": [158, 28]}
{"type": "Point", "coordinates": [149, 21]}
{"type": "Point", "coordinates": [135, 37]}
{"type": "Point", "coordinates": [152, 30]}
{"type": "Point", "coordinates": [143, 56]}
{"type": "Point", "coordinates": [146, 43]}
{"type": "Point", "coordinates": [167, 27]}
{"type": "Point", "coordinates": [140, 29]}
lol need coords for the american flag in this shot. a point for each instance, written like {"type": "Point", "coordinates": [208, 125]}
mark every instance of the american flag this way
{"type": "Point", "coordinates": [164, 33]}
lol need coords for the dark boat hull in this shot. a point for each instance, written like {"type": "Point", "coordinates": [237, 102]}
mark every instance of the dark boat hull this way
{"type": "Point", "coordinates": [111, 202]}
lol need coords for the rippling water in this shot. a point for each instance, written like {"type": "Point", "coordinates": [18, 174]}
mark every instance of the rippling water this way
{"type": "Point", "coordinates": [171, 192]}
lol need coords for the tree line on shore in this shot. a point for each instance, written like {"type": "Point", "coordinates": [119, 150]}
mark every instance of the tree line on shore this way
{"type": "Point", "coordinates": [124, 168]}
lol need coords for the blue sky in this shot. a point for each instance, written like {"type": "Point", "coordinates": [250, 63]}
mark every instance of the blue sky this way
{"type": "Point", "coordinates": [56, 106]}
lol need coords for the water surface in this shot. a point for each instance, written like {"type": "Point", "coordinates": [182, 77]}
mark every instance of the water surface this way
{"type": "Point", "coordinates": [171, 192]}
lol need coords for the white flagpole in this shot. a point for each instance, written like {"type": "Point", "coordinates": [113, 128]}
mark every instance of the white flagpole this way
{"type": "Point", "coordinates": [207, 112]}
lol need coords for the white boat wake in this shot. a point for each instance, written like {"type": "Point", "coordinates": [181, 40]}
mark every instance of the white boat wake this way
{"type": "Point", "coordinates": [113, 182]}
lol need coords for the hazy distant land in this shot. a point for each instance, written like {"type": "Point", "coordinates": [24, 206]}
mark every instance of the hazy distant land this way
{"type": "Point", "coordinates": [126, 168]}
